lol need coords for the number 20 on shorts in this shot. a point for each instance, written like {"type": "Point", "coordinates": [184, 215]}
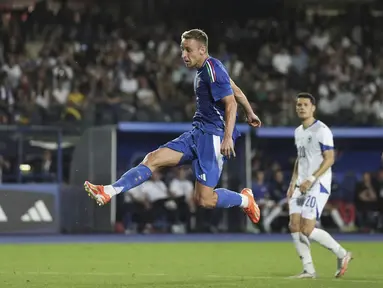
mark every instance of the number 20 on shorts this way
{"type": "Point", "coordinates": [310, 201]}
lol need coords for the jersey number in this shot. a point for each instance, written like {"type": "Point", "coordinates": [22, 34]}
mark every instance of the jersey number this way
{"type": "Point", "coordinates": [301, 152]}
{"type": "Point", "coordinates": [311, 201]}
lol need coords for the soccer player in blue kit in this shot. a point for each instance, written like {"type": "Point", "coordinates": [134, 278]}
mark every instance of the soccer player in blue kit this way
{"type": "Point", "coordinates": [210, 142]}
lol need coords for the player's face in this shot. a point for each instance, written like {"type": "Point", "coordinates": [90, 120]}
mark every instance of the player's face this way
{"type": "Point", "coordinates": [192, 52]}
{"type": "Point", "coordinates": [305, 109]}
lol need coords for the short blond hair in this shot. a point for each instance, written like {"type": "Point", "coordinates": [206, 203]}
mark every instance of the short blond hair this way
{"type": "Point", "coordinates": [196, 34]}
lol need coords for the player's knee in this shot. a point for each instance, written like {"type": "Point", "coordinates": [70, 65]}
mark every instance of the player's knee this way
{"type": "Point", "coordinates": [152, 161]}
{"type": "Point", "coordinates": [306, 230]}
{"type": "Point", "coordinates": [294, 227]}
{"type": "Point", "coordinates": [162, 157]}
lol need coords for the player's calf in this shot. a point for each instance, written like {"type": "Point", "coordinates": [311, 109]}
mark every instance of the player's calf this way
{"type": "Point", "coordinates": [302, 246]}
{"type": "Point", "coordinates": [205, 196]}
{"type": "Point", "coordinates": [207, 201]}
{"type": "Point", "coordinates": [223, 198]}
{"type": "Point", "coordinates": [322, 237]}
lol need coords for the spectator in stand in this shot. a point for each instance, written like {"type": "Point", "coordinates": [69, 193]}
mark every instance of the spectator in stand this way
{"type": "Point", "coordinates": [158, 202]}
{"type": "Point", "coordinates": [182, 192]}
{"type": "Point", "coordinates": [147, 76]}
{"type": "Point", "coordinates": [277, 193]}
{"type": "Point", "coordinates": [366, 202]}
{"type": "Point", "coordinates": [378, 187]}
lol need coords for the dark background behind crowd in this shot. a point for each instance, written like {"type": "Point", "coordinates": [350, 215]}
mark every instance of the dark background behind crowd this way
{"type": "Point", "coordinates": [77, 64]}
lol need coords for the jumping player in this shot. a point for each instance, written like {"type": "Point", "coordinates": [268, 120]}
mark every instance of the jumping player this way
{"type": "Point", "coordinates": [207, 145]}
{"type": "Point", "coordinates": [310, 188]}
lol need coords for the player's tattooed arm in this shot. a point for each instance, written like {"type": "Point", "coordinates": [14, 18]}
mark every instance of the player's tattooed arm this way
{"type": "Point", "coordinates": [241, 98]}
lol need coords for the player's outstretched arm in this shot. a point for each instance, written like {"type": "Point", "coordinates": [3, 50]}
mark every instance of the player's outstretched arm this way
{"type": "Point", "coordinates": [241, 98]}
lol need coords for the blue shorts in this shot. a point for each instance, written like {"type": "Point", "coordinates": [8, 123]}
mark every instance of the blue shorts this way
{"type": "Point", "coordinates": [203, 151]}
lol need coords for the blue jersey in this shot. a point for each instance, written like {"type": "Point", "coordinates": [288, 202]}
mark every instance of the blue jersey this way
{"type": "Point", "coordinates": [211, 85]}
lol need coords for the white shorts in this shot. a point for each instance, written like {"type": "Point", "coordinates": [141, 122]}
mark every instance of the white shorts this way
{"type": "Point", "coordinates": [311, 205]}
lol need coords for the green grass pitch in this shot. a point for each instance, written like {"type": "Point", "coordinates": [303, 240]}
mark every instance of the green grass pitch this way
{"type": "Point", "coordinates": [176, 265]}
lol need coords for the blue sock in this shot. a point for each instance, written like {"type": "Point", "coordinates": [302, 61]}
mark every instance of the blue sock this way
{"type": "Point", "coordinates": [227, 198]}
{"type": "Point", "coordinates": [132, 178]}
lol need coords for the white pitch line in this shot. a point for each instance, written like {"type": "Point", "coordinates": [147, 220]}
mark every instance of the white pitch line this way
{"type": "Point", "coordinates": [290, 279]}
{"type": "Point", "coordinates": [103, 274]}
{"type": "Point", "coordinates": [63, 273]}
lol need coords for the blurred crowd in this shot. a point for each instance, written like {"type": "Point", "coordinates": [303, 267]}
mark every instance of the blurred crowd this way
{"type": "Point", "coordinates": [87, 67]}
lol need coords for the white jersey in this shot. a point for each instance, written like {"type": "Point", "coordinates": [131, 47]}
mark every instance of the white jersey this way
{"type": "Point", "coordinates": [135, 194]}
{"type": "Point", "coordinates": [155, 190]}
{"type": "Point", "coordinates": [181, 188]}
{"type": "Point", "coordinates": [311, 143]}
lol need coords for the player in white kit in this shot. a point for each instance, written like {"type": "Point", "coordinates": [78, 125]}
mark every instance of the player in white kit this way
{"type": "Point", "coordinates": [310, 188]}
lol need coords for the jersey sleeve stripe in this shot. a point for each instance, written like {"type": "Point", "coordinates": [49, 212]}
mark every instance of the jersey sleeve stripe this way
{"type": "Point", "coordinates": [211, 71]}
{"type": "Point", "coordinates": [325, 147]}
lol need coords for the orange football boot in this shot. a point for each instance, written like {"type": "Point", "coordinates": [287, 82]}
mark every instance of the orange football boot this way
{"type": "Point", "coordinates": [343, 265]}
{"type": "Point", "coordinates": [97, 193]}
{"type": "Point", "coordinates": [252, 210]}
